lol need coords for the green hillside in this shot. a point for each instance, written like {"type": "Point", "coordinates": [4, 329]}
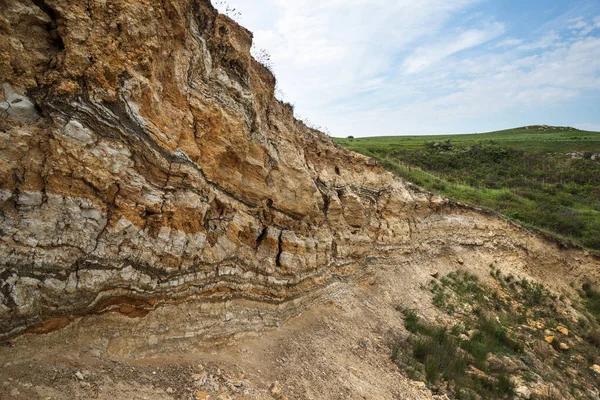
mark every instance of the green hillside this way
{"type": "Point", "coordinates": [546, 178]}
{"type": "Point", "coordinates": [531, 138]}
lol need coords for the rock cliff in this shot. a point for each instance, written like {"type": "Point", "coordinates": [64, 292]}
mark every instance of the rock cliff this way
{"type": "Point", "coordinates": [147, 169]}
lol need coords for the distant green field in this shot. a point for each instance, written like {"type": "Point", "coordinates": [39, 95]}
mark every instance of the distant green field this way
{"type": "Point", "coordinates": [534, 138]}
{"type": "Point", "coordinates": [527, 174]}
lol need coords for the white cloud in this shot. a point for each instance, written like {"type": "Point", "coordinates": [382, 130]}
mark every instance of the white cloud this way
{"type": "Point", "coordinates": [508, 82]}
{"type": "Point", "coordinates": [427, 56]}
{"type": "Point", "coordinates": [373, 67]}
{"type": "Point", "coordinates": [578, 24]}
{"type": "Point", "coordinates": [323, 51]}
{"type": "Point", "coordinates": [586, 126]}
{"type": "Point", "coordinates": [510, 42]}
{"type": "Point", "coordinates": [551, 39]}
{"type": "Point", "coordinates": [581, 26]}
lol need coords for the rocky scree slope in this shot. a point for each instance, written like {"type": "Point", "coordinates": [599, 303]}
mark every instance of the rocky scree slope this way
{"type": "Point", "coordinates": [146, 168]}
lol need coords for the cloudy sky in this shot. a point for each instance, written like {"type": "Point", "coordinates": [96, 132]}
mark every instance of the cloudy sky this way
{"type": "Point", "coordinates": [398, 67]}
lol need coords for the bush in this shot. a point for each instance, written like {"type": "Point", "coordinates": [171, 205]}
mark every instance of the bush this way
{"type": "Point", "coordinates": [593, 337]}
{"type": "Point", "coordinates": [412, 322]}
{"type": "Point", "coordinates": [439, 354]}
{"type": "Point", "coordinates": [592, 300]}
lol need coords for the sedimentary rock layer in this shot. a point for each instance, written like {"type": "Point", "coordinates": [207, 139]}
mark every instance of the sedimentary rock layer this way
{"type": "Point", "coordinates": [145, 162]}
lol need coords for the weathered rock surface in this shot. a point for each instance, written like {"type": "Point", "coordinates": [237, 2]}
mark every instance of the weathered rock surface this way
{"type": "Point", "coordinates": [146, 166]}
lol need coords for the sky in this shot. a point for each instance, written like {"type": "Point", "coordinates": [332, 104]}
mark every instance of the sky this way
{"type": "Point", "coordinates": [401, 67]}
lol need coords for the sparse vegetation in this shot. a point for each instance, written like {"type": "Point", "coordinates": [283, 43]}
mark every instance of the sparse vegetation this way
{"type": "Point", "coordinates": [445, 357]}
{"type": "Point", "coordinates": [542, 177]}
{"type": "Point", "coordinates": [592, 300]}
{"type": "Point", "coordinates": [263, 57]}
{"type": "Point", "coordinates": [227, 9]}
{"type": "Point", "coordinates": [501, 336]}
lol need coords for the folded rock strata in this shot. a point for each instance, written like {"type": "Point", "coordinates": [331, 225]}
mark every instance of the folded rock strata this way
{"type": "Point", "coordinates": [146, 167]}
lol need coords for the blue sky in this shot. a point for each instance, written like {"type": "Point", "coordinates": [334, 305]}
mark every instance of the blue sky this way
{"type": "Point", "coordinates": [399, 67]}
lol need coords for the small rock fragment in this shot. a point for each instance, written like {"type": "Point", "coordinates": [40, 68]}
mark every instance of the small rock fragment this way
{"type": "Point", "coordinates": [202, 396]}
{"type": "Point", "coordinates": [494, 363]}
{"type": "Point", "coordinates": [199, 379]}
{"type": "Point", "coordinates": [476, 371]}
{"type": "Point", "coordinates": [79, 375]}
{"type": "Point", "coordinates": [523, 392]}
{"type": "Point", "coordinates": [276, 391]}
{"type": "Point", "coordinates": [595, 368]}
{"type": "Point", "coordinates": [563, 346]}
{"type": "Point", "coordinates": [85, 385]}
{"type": "Point", "coordinates": [472, 332]}
{"type": "Point", "coordinates": [563, 330]}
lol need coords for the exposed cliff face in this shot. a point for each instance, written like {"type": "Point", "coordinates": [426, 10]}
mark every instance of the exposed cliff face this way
{"type": "Point", "coordinates": [145, 165]}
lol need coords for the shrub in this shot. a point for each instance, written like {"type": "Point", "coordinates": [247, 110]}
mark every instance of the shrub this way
{"type": "Point", "coordinates": [592, 299]}
{"type": "Point", "coordinates": [412, 322]}
{"type": "Point", "coordinates": [593, 337]}
{"type": "Point", "coordinates": [439, 354]}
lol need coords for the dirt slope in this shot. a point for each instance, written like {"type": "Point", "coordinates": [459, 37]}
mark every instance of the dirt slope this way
{"type": "Point", "coordinates": [336, 350]}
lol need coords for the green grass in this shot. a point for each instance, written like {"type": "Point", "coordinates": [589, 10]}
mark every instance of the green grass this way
{"type": "Point", "coordinates": [444, 357]}
{"type": "Point", "coordinates": [412, 323]}
{"type": "Point", "coordinates": [437, 351]}
{"type": "Point", "coordinates": [497, 334]}
{"type": "Point", "coordinates": [523, 173]}
{"type": "Point", "coordinates": [591, 296]}
{"type": "Point", "coordinates": [535, 139]}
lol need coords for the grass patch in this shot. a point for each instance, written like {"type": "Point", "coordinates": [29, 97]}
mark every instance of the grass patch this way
{"type": "Point", "coordinates": [591, 297]}
{"type": "Point", "coordinates": [499, 334]}
{"type": "Point", "coordinates": [491, 337]}
{"type": "Point", "coordinates": [411, 322]}
{"type": "Point", "coordinates": [593, 337]}
{"type": "Point", "coordinates": [437, 351]}
{"type": "Point", "coordinates": [445, 358]}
